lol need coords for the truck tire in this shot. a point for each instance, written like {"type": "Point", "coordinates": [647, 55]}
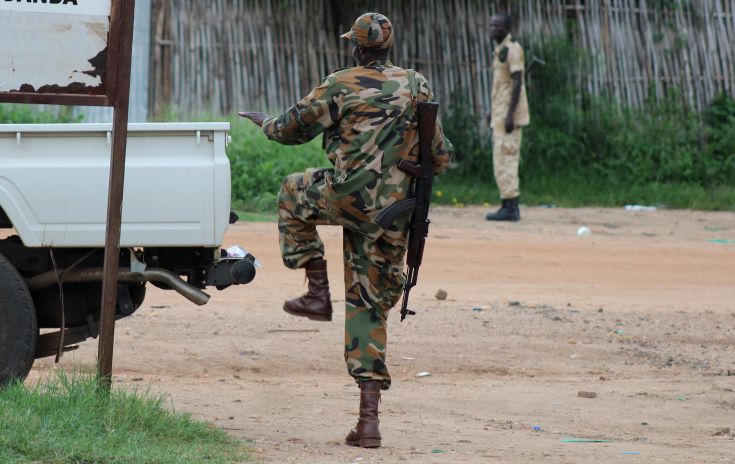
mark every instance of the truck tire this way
{"type": "Point", "coordinates": [18, 330]}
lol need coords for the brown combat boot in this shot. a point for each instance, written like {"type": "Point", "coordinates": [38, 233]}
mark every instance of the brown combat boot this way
{"type": "Point", "coordinates": [366, 434]}
{"type": "Point", "coordinates": [316, 303]}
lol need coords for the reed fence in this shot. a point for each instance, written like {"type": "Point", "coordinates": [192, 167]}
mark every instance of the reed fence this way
{"type": "Point", "coordinates": [217, 56]}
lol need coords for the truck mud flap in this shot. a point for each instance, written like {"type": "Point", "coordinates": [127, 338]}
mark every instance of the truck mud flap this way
{"type": "Point", "coordinates": [48, 343]}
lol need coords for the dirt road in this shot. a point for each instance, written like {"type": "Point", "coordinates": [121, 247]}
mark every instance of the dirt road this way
{"type": "Point", "coordinates": [641, 313]}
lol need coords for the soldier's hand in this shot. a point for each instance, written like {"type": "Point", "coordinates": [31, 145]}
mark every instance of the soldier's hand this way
{"type": "Point", "coordinates": [510, 125]}
{"type": "Point", "coordinates": [257, 118]}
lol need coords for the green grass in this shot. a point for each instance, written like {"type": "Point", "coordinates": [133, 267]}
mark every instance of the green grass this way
{"type": "Point", "coordinates": [252, 216]}
{"type": "Point", "coordinates": [578, 191]}
{"type": "Point", "coordinates": [68, 419]}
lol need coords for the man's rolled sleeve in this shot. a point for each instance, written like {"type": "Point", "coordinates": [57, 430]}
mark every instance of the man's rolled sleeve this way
{"type": "Point", "coordinates": [442, 150]}
{"type": "Point", "coordinates": [515, 58]}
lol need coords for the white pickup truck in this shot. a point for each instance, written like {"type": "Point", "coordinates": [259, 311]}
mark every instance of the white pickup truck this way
{"type": "Point", "coordinates": [53, 201]}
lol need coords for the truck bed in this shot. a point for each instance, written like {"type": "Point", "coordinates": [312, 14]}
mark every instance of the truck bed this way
{"type": "Point", "coordinates": [54, 181]}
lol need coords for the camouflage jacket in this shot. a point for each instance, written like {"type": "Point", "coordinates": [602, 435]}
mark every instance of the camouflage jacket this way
{"type": "Point", "coordinates": [369, 117]}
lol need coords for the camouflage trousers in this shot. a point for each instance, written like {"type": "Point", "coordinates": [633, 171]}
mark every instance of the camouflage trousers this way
{"type": "Point", "coordinates": [506, 156]}
{"type": "Point", "coordinates": [373, 266]}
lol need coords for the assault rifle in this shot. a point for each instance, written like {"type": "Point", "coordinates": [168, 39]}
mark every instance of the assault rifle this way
{"type": "Point", "coordinates": [417, 202]}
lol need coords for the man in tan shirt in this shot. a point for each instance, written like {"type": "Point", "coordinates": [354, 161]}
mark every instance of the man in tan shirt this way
{"type": "Point", "coordinates": [508, 116]}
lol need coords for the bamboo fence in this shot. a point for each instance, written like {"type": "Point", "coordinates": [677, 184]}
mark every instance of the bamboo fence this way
{"type": "Point", "coordinates": [217, 56]}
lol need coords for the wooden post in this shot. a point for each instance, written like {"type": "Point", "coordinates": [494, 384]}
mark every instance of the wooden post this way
{"type": "Point", "coordinates": [126, 11]}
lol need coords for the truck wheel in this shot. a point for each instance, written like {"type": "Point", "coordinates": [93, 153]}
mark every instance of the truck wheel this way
{"type": "Point", "coordinates": [18, 330]}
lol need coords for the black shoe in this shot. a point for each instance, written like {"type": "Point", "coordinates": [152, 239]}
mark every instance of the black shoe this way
{"type": "Point", "coordinates": [508, 212]}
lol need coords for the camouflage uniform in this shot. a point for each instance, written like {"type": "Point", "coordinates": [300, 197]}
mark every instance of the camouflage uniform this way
{"type": "Point", "coordinates": [507, 59]}
{"type": "Point", "coordinates": [369, 118]}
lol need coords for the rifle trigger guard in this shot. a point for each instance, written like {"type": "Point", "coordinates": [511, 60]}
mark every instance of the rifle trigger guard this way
{"type": "Point", "coordinates": [412, 169]}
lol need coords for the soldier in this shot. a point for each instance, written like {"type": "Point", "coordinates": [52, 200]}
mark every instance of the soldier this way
{"type": "Point", "coordinates": [508, 115]}
{"type": "Point", "coordinates": [368, 116]}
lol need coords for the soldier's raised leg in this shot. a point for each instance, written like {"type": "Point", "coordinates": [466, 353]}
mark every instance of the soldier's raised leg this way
{"type": "Point", "coordinates": [301, 246]}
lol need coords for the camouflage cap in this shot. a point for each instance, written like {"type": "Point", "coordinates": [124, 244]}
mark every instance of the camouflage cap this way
{"type": "Point", "coordinates": [371, 30]}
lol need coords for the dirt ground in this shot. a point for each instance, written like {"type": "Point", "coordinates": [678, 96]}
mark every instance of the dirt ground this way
{"type": "Point", "coordinates": [641, 313]}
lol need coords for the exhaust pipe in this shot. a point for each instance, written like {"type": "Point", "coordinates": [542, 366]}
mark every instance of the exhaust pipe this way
{"type": "Point", "coordinates": [78, 276]}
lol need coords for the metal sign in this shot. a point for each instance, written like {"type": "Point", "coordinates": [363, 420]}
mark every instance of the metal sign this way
{"type": "Point", "coordinates": [59, 51]}
{"type": "Point", "coordinates": [76, 52]}
{"type": "Point", "coordinates": [64, 7]}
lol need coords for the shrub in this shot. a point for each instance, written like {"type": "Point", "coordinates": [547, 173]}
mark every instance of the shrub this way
{"type": "Point", "coordinates": [29, 114]}
{"type": "Point", "coordinates": [259, 165]}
